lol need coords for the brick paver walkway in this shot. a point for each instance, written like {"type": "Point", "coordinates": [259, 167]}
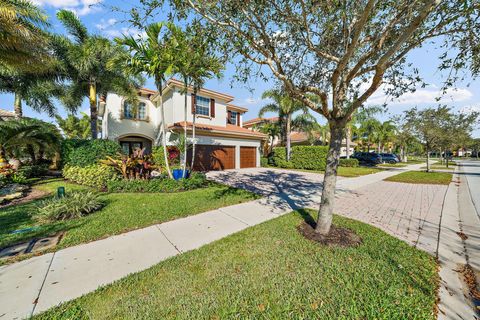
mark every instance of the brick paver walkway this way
{"type": "Point", "coordinates": [410, 212]}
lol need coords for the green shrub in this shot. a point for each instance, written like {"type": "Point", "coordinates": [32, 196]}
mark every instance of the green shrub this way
{"type": "Point", "coordinates": [164, 185]}
{"type": "Point", "coordinates": [263, 162]}
{"type": "Point", "coordinates": [82, 153]}
{"type": "Point", "coordinates": [95, 175]}
{"type": "Point", "coordinates": [74, 205]}
{"type": "Point", "coordinates": [33, 171]}
{"type": "Point", "coordinates": [19, 177]}
{"type": "Point", "coordinates": [348, 163]}
{"type": "Point", "coordinates": [302, 157]}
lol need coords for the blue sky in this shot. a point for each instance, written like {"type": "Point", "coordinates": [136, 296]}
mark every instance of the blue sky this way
{"type": "Point", "coordinates": [100, 19]}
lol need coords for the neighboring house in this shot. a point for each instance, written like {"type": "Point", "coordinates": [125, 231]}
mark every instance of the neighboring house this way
{"type": "Point", "coordinates": [6, 115]}
{"type": "Point", "coordinates": [221, 140]}
{"type": "Point", "coordinates": [297, 138]}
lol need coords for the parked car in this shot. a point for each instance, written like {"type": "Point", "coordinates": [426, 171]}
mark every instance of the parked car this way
{"type": "Point", "coordinates": [371, 158]}
{"type": "Point", "coordinates": [389, 158]}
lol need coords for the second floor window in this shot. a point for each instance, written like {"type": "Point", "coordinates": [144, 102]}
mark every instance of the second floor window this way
{"type": "Point", "coordinates": [233, 117]}
{"type": "Point", "coordinates": [129, 111]}
{"type": "Point", "coordinates": [203, 106]}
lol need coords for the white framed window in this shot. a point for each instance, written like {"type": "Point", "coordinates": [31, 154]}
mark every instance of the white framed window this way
{"type": "Point", "coordinates": [233, 117]}
{"type": "Point", "coordinates": [142, 111]}
{"type": "Point", "coordinates": [129, 111]}
{"type": "Point", "coordinates": [202, 106]}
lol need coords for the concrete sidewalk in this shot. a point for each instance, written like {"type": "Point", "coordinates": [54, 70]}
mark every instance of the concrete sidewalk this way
{"type": "Point", "coordinates": [34, 285]}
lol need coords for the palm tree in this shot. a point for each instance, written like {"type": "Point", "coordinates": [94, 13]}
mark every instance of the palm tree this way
{"type": "Point", "coordinates": [22, 36]}
{"type": "Point", "coordinates": [36, 89]}
{"type": "Point", "coordinates": [272, 130]}
{"type": "Point", "coordinates": [203, 65]}
{"type": "Point", "coordinates": [386, 133]}
{"type": "Point", "coordinates": [369, 129]}
{"type": "Point", "coordinates": [87, 59]}
{"type": "Point", "coordinates": [74, 127]}
{"type": "Point", "coordinates": [154, 56]}
{"type": "Point", "coordinates": [32, 137]}
{"type": "Point", "coordinates": [285, 106]}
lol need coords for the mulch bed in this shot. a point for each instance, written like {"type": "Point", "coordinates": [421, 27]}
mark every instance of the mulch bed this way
{"type": "Point", "coordinates": [31, 194]}
{"type": "Point", "coordinates": [337, 237]}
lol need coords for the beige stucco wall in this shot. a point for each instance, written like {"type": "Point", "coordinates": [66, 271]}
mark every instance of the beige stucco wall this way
{"type": "Point", "coordinates": [113, 126]}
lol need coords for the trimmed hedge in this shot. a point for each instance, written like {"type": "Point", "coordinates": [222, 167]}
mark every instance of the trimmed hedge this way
{"type": "Point", "coordinates": [302, 157]}
{"type": "Point", "coordinates": [196, 180]}
{"type": "Point", "coordinates": [348, 163]}
{"type": "Point", "coordinates": [94, 175]}
{"type": "Point", "coordinates": [82, 153]}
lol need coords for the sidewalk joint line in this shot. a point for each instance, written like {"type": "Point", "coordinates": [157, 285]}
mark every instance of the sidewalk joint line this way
{"type": "Point", "coordinates": [41, 287]}
{"type": "Point", "coordinates": [158, 227]}
{"type": "Point", "coordinates": [239, 220]}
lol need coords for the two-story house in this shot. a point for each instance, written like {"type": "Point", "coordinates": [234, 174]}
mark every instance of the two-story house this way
{"type": "Point", "coordinates": [221, 140]}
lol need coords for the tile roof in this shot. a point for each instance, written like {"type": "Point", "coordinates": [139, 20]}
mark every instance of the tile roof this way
{"type": "Point", "coordinates": [6, 113]}
{"type": "Point", "coordinates": [228, 129]}
{"type": "Point", "coordinates": [258, 120]}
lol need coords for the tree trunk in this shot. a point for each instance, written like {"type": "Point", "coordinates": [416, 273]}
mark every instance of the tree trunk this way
{"type": "Point", "coordinates": [347, 142]}
{"type": "Point", "coordinates": [93, 109]}
{"type": "Point", "coordinates": [325, 212]}
{"type": "Point", "coordinates": [193, 131]}
{"type": "Point", "coordinates": [428, 160]}
{"type": "Point", "coordinates": [184, 166]}
{"type": "Point", "coordinates": [17, 106]}
{"type": "Point", "coordinates": [446, 158]}
{"type": "Point", "coordinates": [163, 132]}
{"type": "Point", "coordinates": [288, 129]}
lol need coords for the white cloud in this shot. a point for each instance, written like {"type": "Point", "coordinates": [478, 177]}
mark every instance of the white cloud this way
{"type": "Point", "coordinates": [117, 33]}
{"type": "Point", "coordinates": [252, 100]}
{"type": "Point", "coordinates": [422, 97]}
{"type": "Point", "coordinates": [104, 24]}
{"type": "Point", "coordinates": [80, 7]}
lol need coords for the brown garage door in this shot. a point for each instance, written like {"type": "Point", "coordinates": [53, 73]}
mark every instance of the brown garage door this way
{"type": "Point", "coordinates": [248, 157]}
{"type": "Point", "coordinates": [209, 157]}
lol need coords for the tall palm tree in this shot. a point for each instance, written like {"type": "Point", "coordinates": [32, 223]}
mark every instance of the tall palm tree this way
{"type": "Point", "coordinates": [22, 35]}
{"type": "Point", "coordinates": [36, 89]}
{"type": "Point", "coordinates": [285, 106]}
{"type": "Point", "coordinates": [154, 56]}
{"type": "Point", "coordinates": [87, 58]}
{"type": "Point", "coordinates": [195, 62]}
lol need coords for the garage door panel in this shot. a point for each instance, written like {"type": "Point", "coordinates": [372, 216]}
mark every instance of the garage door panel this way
{"type": "Point", "coordinates": [211, 157]}
{"type": "Point", "coordinates": [248, 157]}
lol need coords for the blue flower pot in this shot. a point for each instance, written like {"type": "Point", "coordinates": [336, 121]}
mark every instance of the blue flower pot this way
{"type": "Point", "coordinates": [178, 174]}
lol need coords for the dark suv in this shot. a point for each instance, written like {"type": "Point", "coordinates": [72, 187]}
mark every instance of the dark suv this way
{"type": "Point", "coordinates": [389, 158]}
{"type": "Point", "coordinates": [371, 158]}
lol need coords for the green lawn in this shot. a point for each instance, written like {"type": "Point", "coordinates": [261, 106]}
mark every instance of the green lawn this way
{"type": "Point", "coordinates": [394, 165]}
{"type": "Point", "coordinates": [123, 212]}
{"type": "Point", "coordinates": [439, 166]}
{"type": "Point", "coordinates": [349, 172]}
{"type": "Point", "coordinates": [422, 177]}
{"type": "Point", "coordinates": [270, 271]}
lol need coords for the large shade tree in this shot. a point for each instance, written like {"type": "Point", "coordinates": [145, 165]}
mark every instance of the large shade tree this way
{"type": "Point", "coordinates": [87, 60]}
{"type": "Point", "coordinates": [340, 51]}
